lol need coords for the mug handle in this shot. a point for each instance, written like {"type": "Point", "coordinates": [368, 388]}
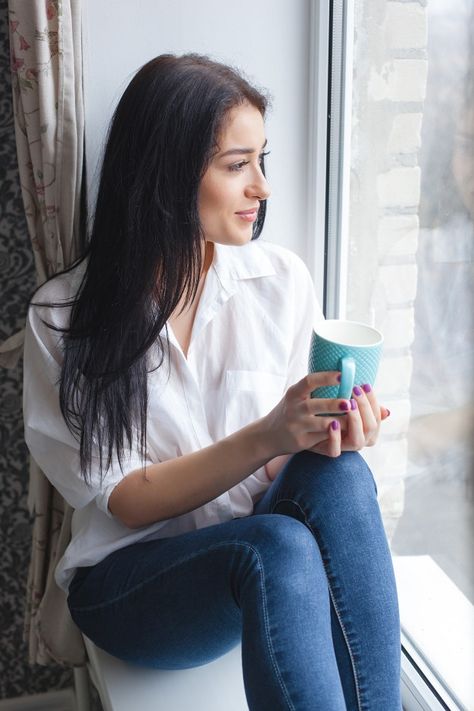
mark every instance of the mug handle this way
{"type": "Point", "coordinates": [347, 367]}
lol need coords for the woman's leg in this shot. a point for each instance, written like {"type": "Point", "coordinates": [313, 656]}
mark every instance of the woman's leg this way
{"type": "Point", "coordinates": [183, 601]}
{"type": "Point", "coordinates": [336, 499]}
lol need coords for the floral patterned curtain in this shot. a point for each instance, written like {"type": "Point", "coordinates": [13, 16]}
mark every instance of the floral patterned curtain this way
{"type": "Point", "coordinates": [46, 64]}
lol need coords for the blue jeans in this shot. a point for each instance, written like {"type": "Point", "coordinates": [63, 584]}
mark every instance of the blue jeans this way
{"type": "Point", "coordinates": [306, 583]}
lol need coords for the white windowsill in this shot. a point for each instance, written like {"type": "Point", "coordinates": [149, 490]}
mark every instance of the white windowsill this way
{"type": "Point", "coordinates": [438, 620]}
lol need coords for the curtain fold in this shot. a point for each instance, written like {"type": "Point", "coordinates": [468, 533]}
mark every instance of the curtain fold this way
{"type": "Point", "coordinates": [46, 64]}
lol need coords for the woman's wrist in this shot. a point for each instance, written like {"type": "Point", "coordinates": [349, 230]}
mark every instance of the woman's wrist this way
{"type": "Point", "coordinates": [263, 439]}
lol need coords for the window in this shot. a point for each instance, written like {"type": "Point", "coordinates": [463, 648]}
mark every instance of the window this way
{"type": "Point", "coordinates": [400, 255]}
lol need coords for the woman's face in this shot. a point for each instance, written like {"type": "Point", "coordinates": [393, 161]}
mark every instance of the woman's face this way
{"type": "Point", "coordinates": [233, 185]}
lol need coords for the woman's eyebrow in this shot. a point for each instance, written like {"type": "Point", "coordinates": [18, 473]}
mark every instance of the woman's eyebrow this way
{"type": "Point", "coordinates": [240, 151]}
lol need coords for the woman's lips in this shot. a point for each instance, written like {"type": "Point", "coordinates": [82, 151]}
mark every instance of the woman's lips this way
{"type": "Point", "coordinates": [248, 215]}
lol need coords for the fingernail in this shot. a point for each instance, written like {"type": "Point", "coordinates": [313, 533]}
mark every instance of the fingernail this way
{"type": "Point", "coordinates": [353, 404]}
{"type": "Point", "coordinates": [366, 388]}
{"type": "Point", "coordinates": [388, 412]}
{"type": "Point", "coordinates": [338, 378]}
{"type": "Point", "coordinates": [335, 425]}
{"type": "Point", "coordinates": [357, 391]}
{"type": "Point", "coordinates": [344, 405]}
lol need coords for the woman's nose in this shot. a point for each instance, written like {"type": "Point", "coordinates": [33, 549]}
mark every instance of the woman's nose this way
{"type": "Point", "coordinates": [259, 188]}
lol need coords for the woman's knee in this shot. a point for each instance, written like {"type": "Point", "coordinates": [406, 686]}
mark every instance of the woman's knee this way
{"type": "Point", "coordinates": [343, 482]}
{"type": "Point", "coordinates": [353, 467]}
{"type": "Point", "coordinates": [281, 539]}
{"type": "Point", "coordinates": [285, 557]}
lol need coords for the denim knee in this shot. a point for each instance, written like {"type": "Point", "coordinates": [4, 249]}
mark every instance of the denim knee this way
{"type": "Point", "coordinates": [280, 536]}
{"type": "Point", "coordinates": [281, 543]}
{"type": "Point", "coordinates": [285, 560]}
{"type": "Point", "coordinates": [355, 470]}
{"type": "Point", "coordinates": [343, 485]}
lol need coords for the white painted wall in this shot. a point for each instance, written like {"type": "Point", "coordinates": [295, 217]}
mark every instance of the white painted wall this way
{"type": "Point", "coordinates": [267, 39]}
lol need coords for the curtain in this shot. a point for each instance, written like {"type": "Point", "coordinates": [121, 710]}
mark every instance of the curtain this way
{"type": "Point", "coordinates": [46, 64]}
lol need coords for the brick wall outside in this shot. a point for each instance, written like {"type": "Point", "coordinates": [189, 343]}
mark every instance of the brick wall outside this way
{"type": "Point", "coordinates": [389, 84]}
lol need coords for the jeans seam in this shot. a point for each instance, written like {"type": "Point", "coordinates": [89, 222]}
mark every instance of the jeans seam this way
{"type": "Point", "coordinates": [91, 608]}
{"type": "Point", "coordinates": [354, 670]}
{"type": "Point", "coordinates": [267, 632]}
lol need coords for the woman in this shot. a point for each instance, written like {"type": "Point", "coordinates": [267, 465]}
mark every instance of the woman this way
{"type": "Point", "coordinates": [166, 398]}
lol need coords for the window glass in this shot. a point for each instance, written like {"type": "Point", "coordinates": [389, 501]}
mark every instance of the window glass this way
{"type": "Point", "coordinates": [410, 273]}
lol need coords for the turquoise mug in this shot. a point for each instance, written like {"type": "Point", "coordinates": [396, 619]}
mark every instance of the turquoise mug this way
{"type": "Point", "coordinates": [351, 347]}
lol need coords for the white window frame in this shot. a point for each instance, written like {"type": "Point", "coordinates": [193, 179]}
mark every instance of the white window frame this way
{"type": "Point", "coordinates": [330, 92]}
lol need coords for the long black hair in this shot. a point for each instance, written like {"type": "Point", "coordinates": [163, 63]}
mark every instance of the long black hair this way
{"type": "Point", "coordinates": [145, 247]}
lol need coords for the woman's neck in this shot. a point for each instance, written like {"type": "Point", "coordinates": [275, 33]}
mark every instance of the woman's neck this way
{"type": "Point", "coordinates": [182, 321]}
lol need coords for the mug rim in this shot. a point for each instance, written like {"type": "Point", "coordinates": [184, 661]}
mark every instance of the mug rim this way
{"type": "Point", "coordinates": [355, 323]}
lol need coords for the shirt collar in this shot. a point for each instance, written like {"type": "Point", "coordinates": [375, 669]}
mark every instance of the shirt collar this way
{"type": "Point", "coordinates": [233, 263]}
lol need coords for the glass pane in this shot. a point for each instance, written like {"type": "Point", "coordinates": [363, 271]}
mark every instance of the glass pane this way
{"type": "Point", "coordinates": [411, 274]}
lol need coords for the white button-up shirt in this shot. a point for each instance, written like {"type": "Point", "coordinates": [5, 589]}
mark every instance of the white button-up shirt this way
{"type": "Point", "coordinates": [249, 343]}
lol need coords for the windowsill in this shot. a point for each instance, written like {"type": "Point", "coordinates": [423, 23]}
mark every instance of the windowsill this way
{"type": "Point", "coordinates": [439, 621]}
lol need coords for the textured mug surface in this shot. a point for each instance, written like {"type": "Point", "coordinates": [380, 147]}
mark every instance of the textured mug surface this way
{"type": "Point", "coordinates": [334, 340]}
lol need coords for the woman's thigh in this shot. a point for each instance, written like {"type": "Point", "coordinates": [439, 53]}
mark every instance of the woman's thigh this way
{"type": "Point", "coordinates": [183, 601]}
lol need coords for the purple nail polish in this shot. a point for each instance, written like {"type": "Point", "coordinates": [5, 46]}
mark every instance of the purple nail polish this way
{"type": "Point", "coordinates": [338, 378]}
{"type": "Point", "coordinates": [335, 425]}
{"type": "Point", "coordinates": [366, 388]}
{"type": "Point", "coordinates": [357, 391]}
{"type": "Point", "coordinates": [353, 404]}
{"type": "Point", "coordinates": [344, 405]}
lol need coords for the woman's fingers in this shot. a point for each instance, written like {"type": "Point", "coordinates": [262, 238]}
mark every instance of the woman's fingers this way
{"type": "Point", "coordinates": [355, 437]}
{"type": "Point", "coordinates": [369, 412]}
{"type": "Point", "coordinates": [357, 428]}
{"type": "Point", "coordinates": [327, 406]}
{"type": "Point", "coordinates": [334, 439]}
{"type": "Point", "coordinates": [304, 387]}
{"type": "Point", "coordinates": [328, 425]}
{"type": "Point", "coordinates": [367, 391]}
{"type": "Point", "coordinates": [331, 445]}
{"type": "Point", "coordinates": [319, 427]}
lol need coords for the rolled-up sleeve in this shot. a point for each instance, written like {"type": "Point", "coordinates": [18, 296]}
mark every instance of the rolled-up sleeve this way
{"type": "Point", "coordinates": [49, 440]}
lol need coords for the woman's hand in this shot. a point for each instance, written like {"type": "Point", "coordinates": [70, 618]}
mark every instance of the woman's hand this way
{"type": "Point", "coordinates": [360, 426]}
{"type": "Point", "coordinates": [292, 425]}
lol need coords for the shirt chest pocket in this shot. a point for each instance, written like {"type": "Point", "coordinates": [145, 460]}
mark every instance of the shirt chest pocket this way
{"type": "Point", "coordinates": [250, 394]}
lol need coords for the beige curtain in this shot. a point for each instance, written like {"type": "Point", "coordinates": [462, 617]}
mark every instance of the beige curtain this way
{"type": "Point", "coordinates": [46, 56]}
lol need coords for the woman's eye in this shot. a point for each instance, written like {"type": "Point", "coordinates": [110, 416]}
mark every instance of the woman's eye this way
{"type": "Point", "coordinates": [238, 166]}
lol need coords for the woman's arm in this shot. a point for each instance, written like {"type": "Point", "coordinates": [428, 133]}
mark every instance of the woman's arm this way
{"type": "Point", "coordinates": [174, 487]}
{"type": "Point", "coordinates": [171, 488]}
